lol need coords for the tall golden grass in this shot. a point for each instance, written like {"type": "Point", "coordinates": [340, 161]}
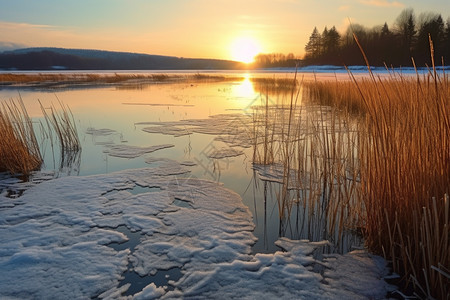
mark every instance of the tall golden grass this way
{"type": "Point", "coordinates": [314, 147]}
{"type": "Point", "coordinates": [61, 122]}
{"type": "Point", "coordinates": [19, 147]}
{"type": "Point", "coordinates": [374, 156]}
{"type": "Point", "coordinates": [404, 164]}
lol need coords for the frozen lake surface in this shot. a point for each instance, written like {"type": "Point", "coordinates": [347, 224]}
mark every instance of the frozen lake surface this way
{"type": "Point", "coordinates": [56, 243]}
{"type": "Point", "coordinates": [164, 190]}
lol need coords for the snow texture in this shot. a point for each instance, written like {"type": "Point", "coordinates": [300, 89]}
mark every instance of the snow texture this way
{"type": "Point", "coordinates": [55, 241]}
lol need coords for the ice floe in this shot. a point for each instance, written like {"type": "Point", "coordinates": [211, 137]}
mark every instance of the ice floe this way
{"type": "Point", "coordinates": [231, 129]}
{"type": "Point", "coordinates": [56, 244]}
{"type": "Point", "coordinates": [224, 153]}
{"type": "Point", "coordinates": [129, 151]}
{"type": "Point", "coordinates": [100, 132]}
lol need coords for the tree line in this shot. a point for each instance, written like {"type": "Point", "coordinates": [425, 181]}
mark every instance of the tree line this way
{"type": "Point", "coordinates": [408, 38]}
{"type": "Point", "coordinates": [275, 60]}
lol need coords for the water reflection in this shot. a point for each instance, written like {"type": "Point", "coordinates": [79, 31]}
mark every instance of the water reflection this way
{"type": "Point", "coordinates": [220, 118]}
{"type": "Point", "coordinates": [244, 89]}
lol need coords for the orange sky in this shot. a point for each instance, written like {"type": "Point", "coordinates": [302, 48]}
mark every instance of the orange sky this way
{"type": "Point", "coordinates": [222, 29]}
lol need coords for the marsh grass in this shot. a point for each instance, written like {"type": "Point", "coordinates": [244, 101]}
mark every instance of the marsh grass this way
{"type": "Point", "coordinates": [406, 162]}
{"type": "Point", "coordinates": [19, 148]}
{"type": "Point", "coordinates": [368, 155]}
{"type": "Point", "coordinates": [403, 149]}
{"type": "Point", "coordinates": [115, 78]}
{"type": "Point", "coordinates": [274, 86]}
{"type": "Point", "coordinates": [313, 145]}
{"type": "Point", "coordinates": [20, 151]}
{"type": "Point", "coordinates": [59, 122]}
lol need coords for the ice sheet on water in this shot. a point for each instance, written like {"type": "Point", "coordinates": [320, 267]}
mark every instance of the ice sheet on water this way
{"type": "Point", "coordinates": [240, 139]}
{"type": "Point", "coordinates": [167, 166]}
{"type": "Point", "coordinates": [167, 130]}
{"type": "Point", "coordinates": [224, 153]}
{"type": "Point", "coordinates": [100, 132]}
{"type": "Point", "coordinates": [61, 230]}
{"type": "Point", "coordinates": [129, 151]}
{"type": "Point", "coordinates": [275, 173]}
{"type": "Point", "coordinates": [151, 291]}
{"type": "Point", "coordinates": [286, 275]}
{"type": "Point", "coordinates": [55, 233]}
{"type": "Point", "coordinates": [230, 128]}
{"type": "Point", "coordinates": [344, 272]}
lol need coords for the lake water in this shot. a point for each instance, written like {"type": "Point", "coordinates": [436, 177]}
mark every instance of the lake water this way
{"type": "Point", "coordinates": [114, 116]}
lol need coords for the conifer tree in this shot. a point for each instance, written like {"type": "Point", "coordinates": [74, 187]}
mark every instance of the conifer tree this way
{"type": "Point", "coordinates": [314, 45]}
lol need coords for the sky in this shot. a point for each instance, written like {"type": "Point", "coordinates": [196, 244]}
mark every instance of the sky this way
{"type": "Point", "coordinates": [223, 29]}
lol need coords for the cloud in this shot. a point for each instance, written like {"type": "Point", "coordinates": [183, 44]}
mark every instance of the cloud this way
{"type": "Point", "coordinates": [382, 3]}
{"type": "Point", "coordinates": [24, 26]}
{"type": "Point", "coordinates": [344, 8]}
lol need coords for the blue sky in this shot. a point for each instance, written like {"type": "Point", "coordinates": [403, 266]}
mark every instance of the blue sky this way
{"type": "Point", "coordinates": [191, 28]}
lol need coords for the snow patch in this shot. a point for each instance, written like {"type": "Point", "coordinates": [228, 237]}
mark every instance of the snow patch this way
{"type": "Point", "coordinates": [55, 244]}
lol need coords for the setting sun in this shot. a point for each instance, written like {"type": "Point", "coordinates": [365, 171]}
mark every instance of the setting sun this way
{"type": "Point", "coordinates": [244, 49]}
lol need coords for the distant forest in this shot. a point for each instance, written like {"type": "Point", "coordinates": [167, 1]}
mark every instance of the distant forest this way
{"type": "Point", "coordinates": [408, 38]}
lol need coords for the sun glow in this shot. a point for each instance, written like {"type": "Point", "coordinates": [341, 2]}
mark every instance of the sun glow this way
{"type": "Point", "coordinates": [244, 49]}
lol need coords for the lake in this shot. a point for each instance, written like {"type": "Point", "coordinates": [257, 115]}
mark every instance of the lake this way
{"type": "Point", "coordinates": [145, 148]}
{"type": "Point", "coordinates": [116, 116]}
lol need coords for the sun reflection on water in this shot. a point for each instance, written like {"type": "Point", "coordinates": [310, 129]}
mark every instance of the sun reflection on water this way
{"type": "Point", "coordinates": [244, 89]}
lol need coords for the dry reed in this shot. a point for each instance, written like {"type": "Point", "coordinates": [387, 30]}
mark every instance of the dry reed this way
{"type": "Point", "coordinates": [19, 149]}
{"type": "Point", "coordinates": [375, 157]}
{"type": "Point", "coordinates": [404, 154]}
{"type": "Point", "coordinates": [61, 123]}
{"type": "Point", "coordinates": [314, 147]}
{"type": "Point", "coordinates": [116, 78]}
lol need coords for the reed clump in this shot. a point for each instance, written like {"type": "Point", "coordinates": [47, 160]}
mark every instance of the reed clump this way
{"type": "Point", "coordinates": [274, 86]}
{"type": "Point", "coordinates": [404, 153]}
{"type": "Point", "coordinates": [337, 94]}
{"type": "Point", "coordinates": [19, 148]}
{"type": "Point", "coordinates": [8, 79]}
{"type": "Point", "coordinates": [311, 147]}
{"type": "Point", "coordinates": [373, 157]}
{"type": "Point", "coordinates": [406, 163]}
{"type": "Point", "coordinates": [212, 78]}
{"type": "Point", "coordinates": [61, 123]}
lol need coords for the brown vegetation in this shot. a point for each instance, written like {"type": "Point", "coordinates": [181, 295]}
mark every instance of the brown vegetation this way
{"type": "Point", "coordinates": [374, 156]}
{"type": "Point", "coordinates": [404, 153]}
{"type": "Point", "coordinates": [86, 78]}
{"type": "Point", "coordinates": [19, 147]}
{"type": "Point", "coordinates": [314, 145]}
